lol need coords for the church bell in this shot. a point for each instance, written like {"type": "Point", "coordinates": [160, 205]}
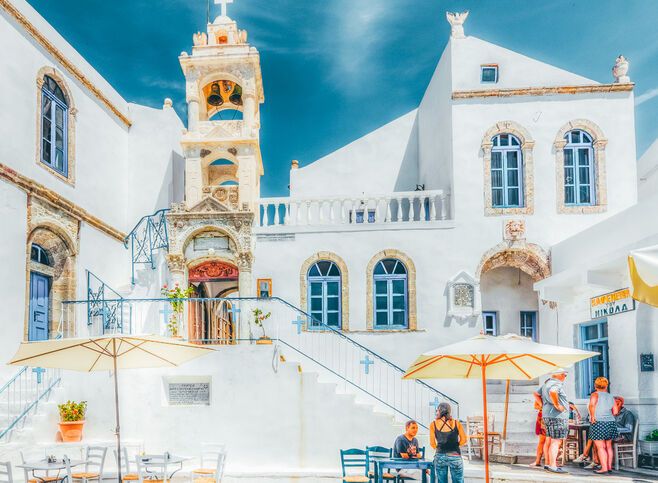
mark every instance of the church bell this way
{"type": "Point", "coordinates": [236, 95]}
{"type": "Point", "coordinates": [215, 96]}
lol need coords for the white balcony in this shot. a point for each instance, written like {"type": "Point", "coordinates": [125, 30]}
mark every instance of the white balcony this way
{"type": "Point", "coordinates": [366, 212]}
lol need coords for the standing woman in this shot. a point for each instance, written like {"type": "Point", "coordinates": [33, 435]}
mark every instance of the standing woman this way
{"type": "Point", "coordinates": [602, 412]}
{"type": "Point", "coordinates": [446, 436]}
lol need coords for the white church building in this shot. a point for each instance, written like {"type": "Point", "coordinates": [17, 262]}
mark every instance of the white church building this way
{"type": "Point", "coordinates": [456, 218]}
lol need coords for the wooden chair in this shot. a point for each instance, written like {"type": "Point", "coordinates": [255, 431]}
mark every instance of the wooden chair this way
{"type": "Point", "coordinates": [126, 474]}
{"type": "Point", "coordinates": [475, 435]}
{"type": "Point", "coordinates": [373, 453]}
{"type": "Point", "coordinates": [354, 458]}
{"type": "Point", "coordinates": [210, 453]}
{"type": "Point", "coordinates": [42, 479]}
{"type": "Point", "coordinates": [216, 475]}
{"type": "Point", "coordinates": [627, 451]}
{"type": "Point", "coordinates": [148, 477]}
{"type": "Point", "coordinates": [570, 448]}
{"type": "Point", "coordinates": [95, 457]}
{"type": "Point", "coordinates": [5, 472]}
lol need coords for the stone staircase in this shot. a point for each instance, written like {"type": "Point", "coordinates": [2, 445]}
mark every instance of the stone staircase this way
{"type": "Point", "coordinates": [521, 438]}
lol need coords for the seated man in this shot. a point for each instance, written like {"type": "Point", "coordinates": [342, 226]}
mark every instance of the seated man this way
{"type": "Point", "coordinates": [625, 422]}
{"type": "Point", "coordinates": [406, 445]}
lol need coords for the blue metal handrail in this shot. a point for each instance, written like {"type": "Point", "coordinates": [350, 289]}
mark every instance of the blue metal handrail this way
{"type": "Point", "coordinates": [149, 234]}
{"type": "Point", "coordinates": [326, 328]}
{"type": "Point", "coordinates": [111, 310]}
{"type": "Point", "coordinates": [12, 380]}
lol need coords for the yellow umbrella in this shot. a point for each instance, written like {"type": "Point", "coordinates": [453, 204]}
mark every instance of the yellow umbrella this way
{"type": "Point", "coordinates": [108, 353]}
{"type": "Point", "coordinates": [488, 357]}
{"type": "Point", "coordinates": [643, 268]}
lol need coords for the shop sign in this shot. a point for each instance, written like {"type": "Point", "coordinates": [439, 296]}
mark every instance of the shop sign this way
{"type": "Point", "coordinates": [611, 303]}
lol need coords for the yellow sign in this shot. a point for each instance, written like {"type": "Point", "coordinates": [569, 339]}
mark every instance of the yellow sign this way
{"type": "Point", "coordinates": [611, 303]}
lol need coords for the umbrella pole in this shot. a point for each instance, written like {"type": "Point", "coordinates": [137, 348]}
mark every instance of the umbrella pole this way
{"type": "Point", "coordinates": [486, 421]}
{"type": "Point", "coordinates": [116, 408]}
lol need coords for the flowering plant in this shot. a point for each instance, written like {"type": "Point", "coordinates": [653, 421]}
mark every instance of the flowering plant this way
{"type": "Point", "coordinates": [175, 296]}
{"type": "Point", "coordinates": [259, 318]}
{"type": "Point", "coordinates": [72, 411]}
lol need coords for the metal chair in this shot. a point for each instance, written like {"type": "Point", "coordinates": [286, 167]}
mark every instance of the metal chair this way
{"type": "Point", "coordinates": [5, 472]}
{"type": "Point", "coordinates": [94, 466]}
{"type": "Point", "coordinates": [373, 453]}
{"type": "Point", "coordinates": [217, 473]}
{"type": "Point", "coordinates": [475, 435]}
{"type": "Point", "coordinates": [627, 451]}
{"type": "Point", "coordinates": [126, 474]}
{"type": "Point", "coordinates": [354, 458]}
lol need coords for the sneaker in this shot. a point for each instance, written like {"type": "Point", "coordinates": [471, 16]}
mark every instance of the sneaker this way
{"type": "Point", "coordinates": [591, 466]}
{"type": "Point", "coordinates": [581, 459]}
{"type": "Point", "coordinates": [557, 469]}
{"type": "Point", "coordinates": [406, 475]}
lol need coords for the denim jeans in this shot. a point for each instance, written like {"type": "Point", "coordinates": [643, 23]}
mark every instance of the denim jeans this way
{"type": "Point", "coordinates": [442, 462]}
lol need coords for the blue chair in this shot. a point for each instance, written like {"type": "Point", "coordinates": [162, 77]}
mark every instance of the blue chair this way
{"type": "Point", "coordinates": [372, 454]}
{"type": "Point", "coordinates": [421, 451]}
{"type": "Point", "coordinates": [353, 459]}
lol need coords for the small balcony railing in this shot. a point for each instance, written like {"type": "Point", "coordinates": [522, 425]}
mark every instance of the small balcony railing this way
{"type": "Point", "coordinates": [393, 208]}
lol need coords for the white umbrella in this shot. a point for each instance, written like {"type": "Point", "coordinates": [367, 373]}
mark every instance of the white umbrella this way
{"type": "Point", "coordinates": [488, 357]}
{"type": "Point", "coordinates": [107, 353]}
{"type": "Point", "coordinates": [643, 269]}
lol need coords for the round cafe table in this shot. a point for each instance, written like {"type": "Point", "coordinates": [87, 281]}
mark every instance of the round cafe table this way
{"type": "Point", "coordinates": [47, 467]}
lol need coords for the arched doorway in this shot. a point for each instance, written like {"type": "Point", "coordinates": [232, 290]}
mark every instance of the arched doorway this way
{"type": "Point", "coordinates": [210, 318]}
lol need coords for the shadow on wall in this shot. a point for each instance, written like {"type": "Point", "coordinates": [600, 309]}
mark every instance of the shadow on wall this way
{"type": "Point", "coordinates": [408, 175]}
{"type": "Point", "coordinates": [470, 322]}
{"type": "Point", "coordinates": [173, 183]}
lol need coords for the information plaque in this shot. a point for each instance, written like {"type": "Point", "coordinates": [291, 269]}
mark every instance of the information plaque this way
{"type": "Point", "coordinates": [187, 391]}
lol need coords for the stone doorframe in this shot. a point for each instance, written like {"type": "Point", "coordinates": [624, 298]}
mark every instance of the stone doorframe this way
{"type": "Point", "coordinates": [528, 257]}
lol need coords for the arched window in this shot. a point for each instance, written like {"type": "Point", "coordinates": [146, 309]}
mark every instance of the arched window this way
{"type": "Point", "coordinates": [506, 172]}
{"type": "Point", "coordinates": [324, 294]}
{"type": "Point", "coordinates": [54, 129]}
{"type": "Point", "coordinates": [39, 255]}
{"type": "Point", "coordinates": [390, 294]}
{"type": "Point", "coordinates": [579, 175]}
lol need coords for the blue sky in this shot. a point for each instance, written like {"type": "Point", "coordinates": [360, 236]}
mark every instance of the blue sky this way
{"type": "Point", "coordinates": [335, 70]}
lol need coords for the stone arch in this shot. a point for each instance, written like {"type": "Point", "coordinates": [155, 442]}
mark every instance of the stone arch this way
{"type": "Point", "coordinates": [188, 235]}
{"type": "Point", "coordinates": [411, 286]}
{"type": "Point", "coordinates": [60, 248]}
{"type": "Point", "coordinates": [599, 142]}
{"type": "Point", "coordinates": [207, 79]}
{"type": "Point", "coordinates": [528, 257]}
{"type": "Point", "coordinates": [71, 119]}
{"type": "Point", "coordinates": [527, 146]}
{"type": "Point", "coordinates": [344, 283]}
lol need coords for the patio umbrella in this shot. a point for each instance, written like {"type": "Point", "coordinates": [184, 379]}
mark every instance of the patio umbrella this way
{"type": "Point", "coordinates": [643, 269]}
{"type": "Point", "coordinates": [488, 357]}
{"type": "Point", "coordinates": [108, 353]}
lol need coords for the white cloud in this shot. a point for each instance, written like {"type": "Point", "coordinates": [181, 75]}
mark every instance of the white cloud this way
{"type": "Point", "coordinates": [646, 96]}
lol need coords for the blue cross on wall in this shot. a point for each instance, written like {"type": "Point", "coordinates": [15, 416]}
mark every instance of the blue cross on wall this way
{"type": "Point", "coordinates": [166, 312]}
{"type": "Point", "coordinates": [299, 322]}
{"type": "Point", "coordinates": [367, 362]}
{"type": "Point", "coordinates": [235, 310]}
{"type": "Point", "coordinates": [435, 404]}
{"type": "Point", "coordinates": [38, 371]}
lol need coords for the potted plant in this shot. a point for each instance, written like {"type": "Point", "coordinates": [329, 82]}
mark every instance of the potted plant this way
{"type": "Point", "coordinates": [176, 296]}
{"type": "Point", "coordinates": [72, 420]}
{"type": "Point", "coordinates": [649, 446]}
{"type": "Point", "coordinates": [259, 318]}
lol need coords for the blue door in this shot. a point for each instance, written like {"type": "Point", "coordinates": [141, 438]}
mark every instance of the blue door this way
{"type": "Point", "coordinates": [39, 306]}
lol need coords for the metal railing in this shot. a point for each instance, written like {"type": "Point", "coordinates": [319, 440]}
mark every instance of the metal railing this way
{"type": "Point", "coordinates": [21, 395]}
{"type": "Point", "coordinates": [323, 349]}
{"type": "Point", "coordinates": [149, 235]}
{"type": "Point", "coordinates": [105, 308]}
{"type": "Point", "coordinates": [359, 211]}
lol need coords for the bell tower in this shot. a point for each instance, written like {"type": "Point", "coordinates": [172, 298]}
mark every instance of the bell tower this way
{"type": "Point", "coordinates": [210, 232]}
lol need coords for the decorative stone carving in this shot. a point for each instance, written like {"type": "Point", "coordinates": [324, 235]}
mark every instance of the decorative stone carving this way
{"type": "Point", "coordinates": [514, 230]}
{"type": "Point", "coordinates": [227, 195]}
{"type": "Point", "coordinates": [205, 152]}
{"type": "Point", "coordinates": [211, 270]}
{"type": "Point", "coordinates": [464, 299]}
{"type": "Point", "coordinates": [528, 257]}
{"type": "Point", "coordinates": [200, 38]}
{"type": "Point", "coordinates": [168, 103]}
{"type": "Point", "coordinates": [208, 205]}
{"type": "Point", "coordinates": [456, 21]}
{"type": "Point", "coordinates": [620, 70]}
{"type": "Point", "coordinates": [176, 262]}
{"type": "Point", "coordinates": [245, 259]}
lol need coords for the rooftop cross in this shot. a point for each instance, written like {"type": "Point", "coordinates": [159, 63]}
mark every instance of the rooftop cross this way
{"type": "Point", "coordinates": [223, 3]}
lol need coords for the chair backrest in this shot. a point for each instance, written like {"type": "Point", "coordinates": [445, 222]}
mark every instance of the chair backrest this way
{"type": "Point", "coordinates": [353, 458]}
{"type": "Point", "coordinates": [421, 452]}
{"type": "Point", "coordinates": [210, 452]}
{"type": "Point", "coordinates": [125, 462]}
{"type": "Point", "coordinates": [96, 459]}
{"type": "Point", "coordinates": [160, 475]}
{"type": "Point", "coordinates": [220, 461]}
{"type": "Point", "coordinates": [5, 472]}
{"type": "Point", "coordinates": [475, 424]}
{"type": "Point", "coordinates": [375, 452]}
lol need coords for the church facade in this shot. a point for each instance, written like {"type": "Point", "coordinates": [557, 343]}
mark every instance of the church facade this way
{"type": "Point", "coordinates": [428, 230]}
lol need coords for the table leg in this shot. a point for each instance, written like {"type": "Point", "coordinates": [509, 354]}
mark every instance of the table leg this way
{"type": "Point", "coordinates": [424, 477]}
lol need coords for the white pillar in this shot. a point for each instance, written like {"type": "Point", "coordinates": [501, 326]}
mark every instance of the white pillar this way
{"type": "Point", "coordinates": [248, 114]}
{"type": "Point", "coordinates": [193, 115]}
{"type": "Point", "coordinates": [193, 181]}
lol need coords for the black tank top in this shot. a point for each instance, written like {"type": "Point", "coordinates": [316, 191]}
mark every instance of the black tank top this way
{"type": "Point", "coordinates": [446, 441]}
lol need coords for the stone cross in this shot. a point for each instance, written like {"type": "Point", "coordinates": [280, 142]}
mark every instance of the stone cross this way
{"type": "Point", "coordinates": [223, 3]}
{"type": "Point", "coordinates": [38, 371]}
{"type": "Point", "coordinates": [299, 322]}
{"type": "Point", "coordinates": [367, 362]}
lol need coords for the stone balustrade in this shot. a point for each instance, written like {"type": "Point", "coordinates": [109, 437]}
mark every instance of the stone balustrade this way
{"type": "Point", "coordinates": [392, 208]}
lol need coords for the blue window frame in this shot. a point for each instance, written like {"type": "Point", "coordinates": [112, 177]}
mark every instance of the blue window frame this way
{"type": "Point", "coordinates": [489, 74]}
{"type": "Point", "coordinates": [39, 255]}
{"type": "Point", "coordinates": [54, 127]}
{"type": "Point", "coordinates": [506, 172]}
{"type": "Point", "coordinates": [390, 295]}
{"type": "Point", "coordinates": [528, 326]}
{"type": "Point", "coordinates": [324, 294]}
{"type": "Point", "coordinates": [579, 175]}
{"type": "Point", "coordinates": [593, 337]}
{"type": "Point", "coordinates": [490, 323]}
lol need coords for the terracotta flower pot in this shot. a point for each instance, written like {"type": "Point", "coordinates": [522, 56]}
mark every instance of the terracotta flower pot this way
{"type": "Point", "coordinates": [71, 431]}
{"type": "Point", "coordinates": [264, 341]}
